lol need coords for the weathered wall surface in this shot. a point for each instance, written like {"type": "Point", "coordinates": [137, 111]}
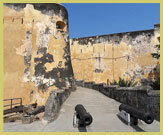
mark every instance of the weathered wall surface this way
{"type": "Point", "coordinates": [36, 51]}
{"type": "Point", "coordinates": [105, 58]}
{"type": "Point", "coordinates": [53, 105]}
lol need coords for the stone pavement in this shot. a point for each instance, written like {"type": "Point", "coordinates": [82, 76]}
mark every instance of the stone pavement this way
{"type": "Point", "coordinates": [103, 109]}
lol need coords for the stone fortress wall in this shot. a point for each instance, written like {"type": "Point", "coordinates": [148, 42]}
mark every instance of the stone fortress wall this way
{"type": "Point", "coordinates": [37, 58]}
{"type": "Point", "coordinates": [36, 51]}
{"type": "Point", "coordinates": [104, 58]}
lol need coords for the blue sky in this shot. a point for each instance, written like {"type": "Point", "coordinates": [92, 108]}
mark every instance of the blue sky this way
{"type": "Point", "coordinates": [99, 19]}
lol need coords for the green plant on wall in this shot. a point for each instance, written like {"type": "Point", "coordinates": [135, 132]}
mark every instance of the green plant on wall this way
{"type": "Point", "coordinates": [156, 83]}
{"type": "Point", "coordinates": [124, 83]}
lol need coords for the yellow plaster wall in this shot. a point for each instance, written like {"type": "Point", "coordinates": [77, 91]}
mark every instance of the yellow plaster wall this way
{"type": "Point", "coordinates": [23, 35]}
{"type": "Point", "coordinates": [130, 58]}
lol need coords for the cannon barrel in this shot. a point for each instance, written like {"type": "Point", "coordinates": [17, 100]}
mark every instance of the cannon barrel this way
{"type": "Point", "coordinates": [84, 117]}
{"type": "Point", "coordinates": [37, 111]}
{"type": "Point", "coordinates": [19, 109]}
{"type": "Point", "coordinates": [146, 117]}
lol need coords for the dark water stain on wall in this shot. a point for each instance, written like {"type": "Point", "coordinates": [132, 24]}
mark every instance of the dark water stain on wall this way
{"type": "Point", "coordinates": [113, 38]}
{"type": "Point", "coordinates": [40, 62]}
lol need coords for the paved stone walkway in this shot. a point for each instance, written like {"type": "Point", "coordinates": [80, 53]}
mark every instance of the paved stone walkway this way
{"type": "Point", "coordinates": [103, 109]}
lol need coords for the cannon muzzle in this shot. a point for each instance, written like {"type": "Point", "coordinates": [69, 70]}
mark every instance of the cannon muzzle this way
{"type": "Point", "coordinates": [37, 111]}
{"type": "Point", "coordinates": [146, 117]}
{"type": "Point", "coordinates": [84, 117]}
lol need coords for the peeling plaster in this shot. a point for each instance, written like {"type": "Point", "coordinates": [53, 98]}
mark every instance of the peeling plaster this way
{"type": "Point", "coordinates": [42, 51]}
{"type": "Point", "coordinates": [126, 55]}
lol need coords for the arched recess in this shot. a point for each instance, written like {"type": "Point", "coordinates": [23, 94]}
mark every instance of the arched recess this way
{"type": "Point", "coordinates": [60, 25]}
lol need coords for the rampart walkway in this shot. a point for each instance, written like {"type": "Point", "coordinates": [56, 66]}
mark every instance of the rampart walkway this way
{"type": "Point", "coordinates": [102, 108]}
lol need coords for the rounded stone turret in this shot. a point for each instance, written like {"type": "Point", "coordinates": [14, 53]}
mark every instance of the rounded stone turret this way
{"type": "Point", "coordinates": [36, 51]}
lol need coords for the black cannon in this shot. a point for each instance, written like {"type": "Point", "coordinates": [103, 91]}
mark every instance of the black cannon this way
{"type": "Point", "coordinates": [83, 116]}
{"type": "Point", "coordinates": [19, 109]}
{"type": "Point", "coordinates": [40, 109]}
{"type": "Point", "coordinates": [135, 114]}
{"type": "Point", "coordinates": [28, 117]}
